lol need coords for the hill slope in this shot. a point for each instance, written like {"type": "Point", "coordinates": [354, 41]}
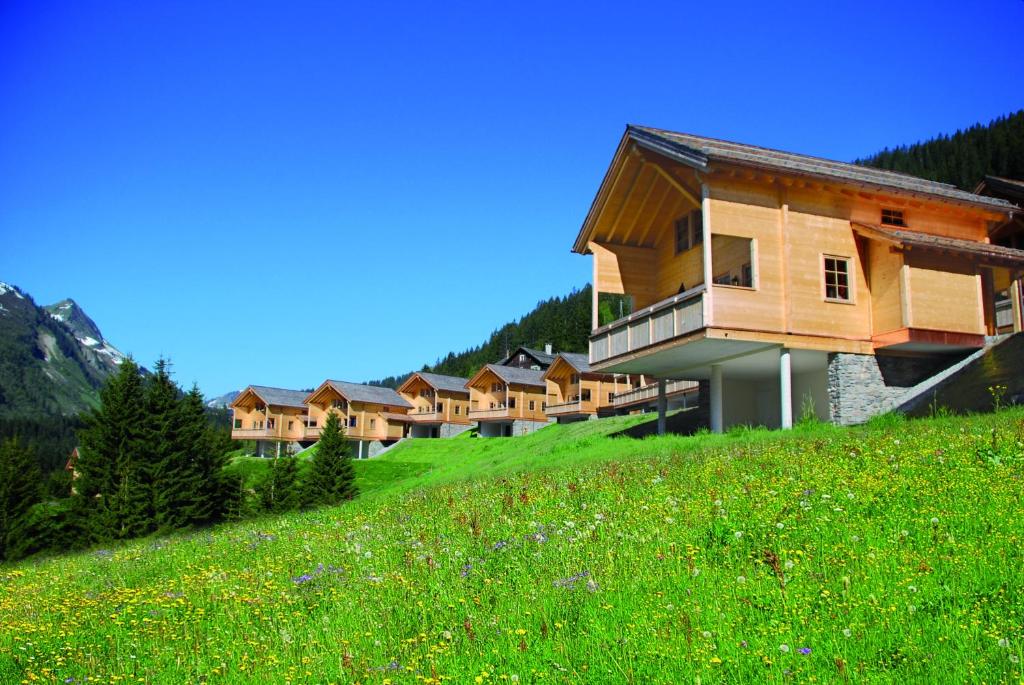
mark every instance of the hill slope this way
{"type": "Point", "coordinates": [883, 553]}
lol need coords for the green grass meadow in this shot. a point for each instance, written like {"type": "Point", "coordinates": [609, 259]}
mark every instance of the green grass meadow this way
{"type": "Point", "coordinates": [891, 552]}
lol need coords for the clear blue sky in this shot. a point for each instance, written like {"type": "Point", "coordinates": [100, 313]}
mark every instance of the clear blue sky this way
{"type": "Point", "coordinates": [281, 194]}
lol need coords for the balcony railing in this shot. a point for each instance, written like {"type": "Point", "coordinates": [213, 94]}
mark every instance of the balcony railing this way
{"type": "Point", "coordinates": [565, 408]}
{"type": "Point", "coordinates": [425, 416]}
{"type": "Point", "coordinates": [675, 316]}
{"type": "Point", "coordinates": [252, 433]}
{"type": "Point", "coordinates": [312, 432]}
{"type": "Point", "coordinates": [497, 413]}
{"type": "Point", "coordinates": [1004, 314]}
{"type": "Point", "coordinates": [650, 392]}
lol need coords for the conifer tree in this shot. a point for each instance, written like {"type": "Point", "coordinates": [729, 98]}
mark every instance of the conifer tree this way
{"type": "Point", "coordinates": [174, 479]}
{"type": "Point", "coordinates": [280, 490]}
{"type": "Point", "coordinates": [19, 491]}
{"type": "Point", "coordinates": [332, 478]}
{"type": "Point", "coordinates": [115, 498]}
{"type": "Point", "coordinates": [211, 490]}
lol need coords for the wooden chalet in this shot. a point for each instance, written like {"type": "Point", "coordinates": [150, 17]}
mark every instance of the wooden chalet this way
{"type": "Point", "coordinates": [273, 417]}
{"type": "Point", "coordinates": [507, 400]}
{"type": "Point", "coordinates": [788, 282]}
{"type": "Point", "coordinates": [440, 405]}
{"type": "Point", "coordinates": [373, 417]}
{"type": "Point", "coordinates": [528, 358]}
{"type": "Point", "coordinates": [1010, 234]}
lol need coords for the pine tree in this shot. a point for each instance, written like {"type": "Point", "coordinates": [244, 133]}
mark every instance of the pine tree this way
{"type": "Point", "coordinates": [280, 490]}
{"type": "Point", "coordinates": [212, 491]}
{"type": "Point", "coordinates": [332, 478]}
{"type": "Point", "coordinates": [19, 491]}
{"type": "Point", "coordinates": [174, 479]}
{"type": "Point", "coordinates": [114, 495]}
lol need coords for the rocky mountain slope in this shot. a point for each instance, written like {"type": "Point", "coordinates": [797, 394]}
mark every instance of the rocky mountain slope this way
{"type": "Point", "coordinates": [52, 359]}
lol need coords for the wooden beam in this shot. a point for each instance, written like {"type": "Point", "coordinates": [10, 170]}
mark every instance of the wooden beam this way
{"type": "Point", "coordinates": [657, 210]}
{"type": "Point", "coordinates": [670, 208]}
{"type": "Point", "coordinates": [625, 199]}
{"type": "Point", "coordinates": [639, 210]}
{"type": "Point", "coordinates": [633, 152]}
{"type": "Point", "coordinates": [674, 182]}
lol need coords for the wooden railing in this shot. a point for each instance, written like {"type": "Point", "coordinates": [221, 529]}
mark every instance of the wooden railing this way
{"type": "Point", "coordinates": [649, 392]}
{"type": "Point", "coordinates": [672, 317]}
{"type": "Point", "coordinates": [1004, 314]}
{"type": "Point", "coordinates": [499, 413]}
{"type": "Point", "coordinates": [563, 408]}
{"type": "Point", "coordinates": [425, 416]}
{"type": "Point", "coordinates": [252, 433]}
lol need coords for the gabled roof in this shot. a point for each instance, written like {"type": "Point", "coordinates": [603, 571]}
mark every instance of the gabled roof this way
{"type": "Point", "coordinates": [697, 151]}
{"type": "Point", "coordinates": [514, 375]}
{"type": "Point", "coordinates": [540, 356]}
{"type": "Point", "coordinates": [357, 392]}
{"type": "Point", "coordinates": [280, 397]}
{"type": "Point", "coordinates": [1006, 188]}
{"type": "Point", "coordinates": [439, 382]}
{"type": "Point", "coordinates": [985, 253]}
{"type": "Point", "coordinates": [577, 360]}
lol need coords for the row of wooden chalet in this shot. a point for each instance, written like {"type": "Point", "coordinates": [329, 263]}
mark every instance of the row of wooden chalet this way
{"type": "Point", "coordinates": [789, 283]}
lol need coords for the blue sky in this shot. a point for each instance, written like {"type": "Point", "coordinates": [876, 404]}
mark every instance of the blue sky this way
{"type": "Point", "coordinates": [278, 194]}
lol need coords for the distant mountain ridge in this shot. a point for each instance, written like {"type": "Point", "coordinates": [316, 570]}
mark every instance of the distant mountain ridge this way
{"type": "Point", "coordinates": [53, 359]}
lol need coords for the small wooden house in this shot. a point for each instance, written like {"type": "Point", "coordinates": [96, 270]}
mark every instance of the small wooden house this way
{"type": "Point", "coordinates": [507, 400]}
{"type": "Point", "coordinates": [273, 417]}
{"type": "Point", "coordinates": [373, 417]}
{"type": "Point", "coordinates": [528, 358]}
{"type": "Point", "coordinates": [789, 283]}
{"type": "Point", "coordinates": [440, 405]}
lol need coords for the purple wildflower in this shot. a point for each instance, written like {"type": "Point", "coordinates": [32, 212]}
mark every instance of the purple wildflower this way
{"type": "Point", "coordinates": [500, 544]}
{"type": "Point", "coordinates": [571, 581]}
{"type": "Point", "coordinates": [804, 650]}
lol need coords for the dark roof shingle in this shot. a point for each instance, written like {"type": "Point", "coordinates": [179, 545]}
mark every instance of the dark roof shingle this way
{"type": "Point", "coordinates": [447, 383]}
{"type": "Point", "coordinates": [357, 392]}
{"type": "Point", "coordinates": [985, 252]}
{"type": "Point", "coordinates": [513, 374]}
{"type": "Point", "coordinates": [698, 150]}
{"type": "Point", "coordinates": [280, 396]}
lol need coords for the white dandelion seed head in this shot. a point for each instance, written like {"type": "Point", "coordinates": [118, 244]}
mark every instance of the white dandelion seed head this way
{"type": "Point", "coordinates": [935, 520]}
{"type": "Point", "coordinates": [847, 632]}
{"type": "Point", "coordinates": [706, 634]}
{"type": "Point", "coordinates": [738, 534]}
{"type": "Point", "coordinates": [780, 525]}
{"type": "Point", "coordinates": [1004, 643]}
{"type": "Point", "coordinates": [784, 649]}
{"type": "Point", "coordinates": [741, 579]}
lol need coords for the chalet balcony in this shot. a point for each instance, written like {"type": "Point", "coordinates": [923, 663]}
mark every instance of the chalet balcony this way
{"type": "Point", "coordinates": [650, 392]}
{"type": "Point", "coordinates": [425, 417]}
{"type": "Point", "coordinates": [647, 327]}
{"type": "Point", "coordinates": [311, 432]}
{"type": "Point", "coordinates": [572, 408]}
{"type": "Point", "coordinates": [253, 433]}
{"type": "Point", "coordinates": [491, 414]}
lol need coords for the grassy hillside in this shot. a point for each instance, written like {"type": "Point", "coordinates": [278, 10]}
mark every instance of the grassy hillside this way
{"type": "Point", "coordinates": [891, 552]}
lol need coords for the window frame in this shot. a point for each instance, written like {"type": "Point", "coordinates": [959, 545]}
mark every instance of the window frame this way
{"type": "Point", "coordinates": [851, 288]}
{"type": "Point", "coordinates": [897, 218]}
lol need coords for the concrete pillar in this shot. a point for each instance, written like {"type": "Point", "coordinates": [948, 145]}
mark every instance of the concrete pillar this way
{"type": "Point", "coordinates": [786, 388]}
{"type": "Point", "coordinates": [1015, 304]}
{"type": "Point", "coordinates": [716, 398]}
{"type": "Point", "coordinates": [662, 406]}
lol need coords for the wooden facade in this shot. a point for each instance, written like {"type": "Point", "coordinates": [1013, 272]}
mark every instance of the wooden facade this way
{"type": "Point", "coordinates": [575, 392]}
{"type": "Point", "coordinates": [368, 413]}
{"type": "Point", "coordinates": [504, 395]}
{"type": "Point", "coordinates": [727, 250]}
{"type": "Point", "coordinates": [440, 404]}
{"type": "Point", "coordinates": [275, 415]}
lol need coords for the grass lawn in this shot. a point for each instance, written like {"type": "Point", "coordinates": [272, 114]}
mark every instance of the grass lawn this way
{"type": "Point", "coordinates": [885, 553]}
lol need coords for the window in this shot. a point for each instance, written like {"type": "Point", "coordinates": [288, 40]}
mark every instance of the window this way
{"type": "Point", "coordinates": [511, 403]}
{"type": "Point", "coordinates": [837, 278]}
{"type": "Point", "coordinates": [458, 409]}
{"type": "Point", "coordinates": [733, 259]}
{"type": "Point", "coordinates": [689, 231]}
{"type": "Point", "coordinates": [585, 395]}
{"type": "Point", "coordinates": [271, 423]}
{"type": "Point", "coordinates": [522, 358]}
{"type": "Point", "coordinates": [291, 424]}
{"type": "Point", "coordinates": [574, 379]}
{"type": "Point", "coordinates": [611, 396]}
{"type": "Point", "coordinates": [338, 404]}
{"type": "Point", "coordinates": [543, 406]}
{"type": "Point", "coordinates": [352, 422]}
{"type": "Point", "coordinates": [238, 423]}
{"type": "Point", "coordinates": [533, 405]}
{"type": "Point", "coordinates": [893, 217]}
{"type": "Point", "coordinates": [440, 407]}
{"type": "Point", "coordinates": [373, 423]}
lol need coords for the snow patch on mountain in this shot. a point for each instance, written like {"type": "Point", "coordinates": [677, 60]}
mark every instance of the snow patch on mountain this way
{"type": "Point", "coordinates": [8, 288]}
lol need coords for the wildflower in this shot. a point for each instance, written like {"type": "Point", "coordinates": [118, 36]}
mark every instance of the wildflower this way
{"type": "Point", "coordinates": [805, 651]}
{"type": "Point", "coordinates": [935, 520]}
{"type": "Point", "coordinates": [500, 544]}
{"type": "Point", "coordinates": [1004, 643]}
{"type": "Point", "coordinates": [696, 572]}
{"type": "Point", "coordinates": [1014, 659]}
{"type": "Point", "coordinates": [847, 632]}
{"type": "Point", "coordinates": [591, 586]}
{"type": "Point", "coordinates": [738, 534]}
{"type": "Point", "coordinates": [740, 580]}
{"type": "Point", "coordinates": [706, 634]}
{"type": "Point", "coordinates": [780, 525]}
{"type": "Point", "coordinates": [789, 564]}
{"type": "Point", "coordinates": [784, 648]}
{"type": "Point", "coordinates": [715, 660]}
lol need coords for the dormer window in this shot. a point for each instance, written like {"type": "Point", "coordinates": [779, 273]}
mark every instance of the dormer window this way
{"type": "Point", "coordinates": [893, 217]}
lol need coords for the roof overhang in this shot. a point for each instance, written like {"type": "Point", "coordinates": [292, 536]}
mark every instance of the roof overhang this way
{"type": "Point", "coordinates": [985, 254]}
